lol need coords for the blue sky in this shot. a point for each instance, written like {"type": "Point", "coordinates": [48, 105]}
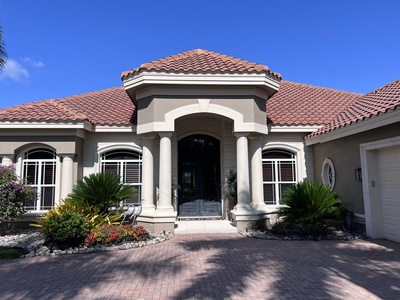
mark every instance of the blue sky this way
{"type": "Point", "coordinates": [63, 48]}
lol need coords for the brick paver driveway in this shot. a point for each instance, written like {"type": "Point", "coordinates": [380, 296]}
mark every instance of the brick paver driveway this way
{"type": "Point", "coordinates": [213, 266]}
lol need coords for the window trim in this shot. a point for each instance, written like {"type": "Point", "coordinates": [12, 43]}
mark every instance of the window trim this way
{"type": "Point", "coordinates": [328, 174]}
{"type": "Point", "coordinates": [39, 163]}
{"type": "Point", "coordinates": [277, 163]}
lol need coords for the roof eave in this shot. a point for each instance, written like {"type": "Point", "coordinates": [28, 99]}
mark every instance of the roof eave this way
{"type": "Point", "coordinates": [374, 122]}
{"type": "Point", "coordinates": [263, 80]}
{"type": "Point", "coordinates": [21, 124]}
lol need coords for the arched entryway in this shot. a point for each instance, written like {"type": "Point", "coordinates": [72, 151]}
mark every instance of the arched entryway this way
{"type": "Point", "coordinates": [199, 176]}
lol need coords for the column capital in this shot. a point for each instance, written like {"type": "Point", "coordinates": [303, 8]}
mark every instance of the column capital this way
{"type": "Point", "coordinates": [165, 134]}
{"type": "Point", "coordinates": [7, 159]}
{"type": "Point", "coordinates": [241, 134]}
{"type": "Point", "coordinates": [67, 156]}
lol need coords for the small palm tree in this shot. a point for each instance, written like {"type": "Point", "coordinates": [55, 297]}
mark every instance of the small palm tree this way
{"type": "Point", "coordinates": [309, 202]}
{"type": "Point", "coordinates": [100, 191]}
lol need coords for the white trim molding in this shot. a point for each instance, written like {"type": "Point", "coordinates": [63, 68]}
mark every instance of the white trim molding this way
{"type": "Point", "coordinates": [202, 107]}
{"type": "Point", "coordinates": [369, 157]}
{"type": "Point", "coordinates": [263, 80]}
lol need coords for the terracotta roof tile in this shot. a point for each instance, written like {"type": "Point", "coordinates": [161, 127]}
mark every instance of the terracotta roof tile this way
{"type": "Point", "coordinates": [106, 107]}
{"type": "Point", "coordinates": [378, 101]}
{"type": "Point", "coordinates": [303, 104]}
{"type": "Point", "coordinates": [294, 104]}
{"type": "Point", "coordinates": [201, 61]}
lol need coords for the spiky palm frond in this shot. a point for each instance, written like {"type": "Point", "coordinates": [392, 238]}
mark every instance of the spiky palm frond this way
{"type": "Point", "coordinates": [100, 191]}
{"type": "Point", "coordinates": [309, 202]}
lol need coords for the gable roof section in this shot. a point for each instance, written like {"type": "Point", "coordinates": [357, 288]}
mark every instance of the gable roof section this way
{"type": "Point", "coordinates": [106, 107]}
{"type": "Point", "coordinates": [303, 104]}
{"type": "Point", "coordinates": [374, 103]}
{"type": "Point", "coordinates": [201, 61]}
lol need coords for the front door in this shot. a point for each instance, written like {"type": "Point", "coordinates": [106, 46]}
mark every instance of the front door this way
{"type": "Point", "coordinates": [199, 176]}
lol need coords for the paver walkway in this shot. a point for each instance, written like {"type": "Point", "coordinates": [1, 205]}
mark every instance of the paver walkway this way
{"type": "Point", "coordinates": [213, 266]}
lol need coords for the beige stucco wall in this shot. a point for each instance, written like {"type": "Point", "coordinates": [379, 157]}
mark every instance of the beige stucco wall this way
{"type": "Point", "coordinates": [155, 109]}
{"type": "Point", "coordinates": [345, 155]}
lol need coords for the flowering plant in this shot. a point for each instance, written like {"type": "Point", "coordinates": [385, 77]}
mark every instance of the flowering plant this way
{"type": "Point", "coordinates": [109, 234]}
{"type": "Point", "coordinates": [14, 196]}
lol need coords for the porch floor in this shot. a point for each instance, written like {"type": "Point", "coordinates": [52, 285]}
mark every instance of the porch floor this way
{"type": "Point", "coordinates": [204, 226]}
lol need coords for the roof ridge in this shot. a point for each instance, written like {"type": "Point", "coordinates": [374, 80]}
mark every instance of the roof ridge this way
{"type": "Point", "coordinates": [322, 87]}
{"type": "Point", "coordinates": [201, 61]}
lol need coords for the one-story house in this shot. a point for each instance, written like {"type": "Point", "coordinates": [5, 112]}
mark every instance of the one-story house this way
{"type": "Point", "coordinates": [180, 124]}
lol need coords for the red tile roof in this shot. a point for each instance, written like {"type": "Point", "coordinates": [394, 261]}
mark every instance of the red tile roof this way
{"type": "Point", "coordinates": [106, 107]}
{"type": "Point", "coordinates": [294, 104]}
{"type": "Point", "coordinates": [379, 101]}
{"type": "Point", "coordinates": [201, 61]}
{"type": "Point", "coordinates": [302, 104]}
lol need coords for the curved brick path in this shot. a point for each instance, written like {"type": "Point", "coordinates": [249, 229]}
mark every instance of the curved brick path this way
{"type": "Point", "coordinates": [213, 266]}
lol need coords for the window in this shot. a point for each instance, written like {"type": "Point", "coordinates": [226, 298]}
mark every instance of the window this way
{"type": "Point", "coordinates": [279, 172]}
{"type": "Point", "coordinates": [328, 173]}
{"type": "Point", "coordinates": [39, 171]}
{"type": "Point", "coordinates": [127, 165]}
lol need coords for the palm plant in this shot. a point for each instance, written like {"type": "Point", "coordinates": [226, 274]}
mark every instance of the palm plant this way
{"type": "Point", "coordinates": [99, 192]}
{"type": "Point", "coordinates": [309, 202]}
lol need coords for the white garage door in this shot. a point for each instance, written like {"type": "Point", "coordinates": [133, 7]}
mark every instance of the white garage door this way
{"type": "Point", "coordinates": [389, 179]}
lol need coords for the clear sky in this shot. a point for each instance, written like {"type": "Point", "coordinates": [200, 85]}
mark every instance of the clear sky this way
{"type": "Point", "coordinates": [60, 48]}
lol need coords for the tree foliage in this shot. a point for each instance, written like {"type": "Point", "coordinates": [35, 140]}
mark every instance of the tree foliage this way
{"type": "Point", "coordinates": [309, 202]}
{"type": "Point", "coordinates": [14, 196]}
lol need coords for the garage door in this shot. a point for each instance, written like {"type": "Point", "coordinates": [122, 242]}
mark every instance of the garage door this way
{"type": "Point", "coordinates": [389, 179]}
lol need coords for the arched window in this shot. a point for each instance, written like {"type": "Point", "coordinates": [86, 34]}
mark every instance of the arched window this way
{"type": "Point", "coordinates": [39, 171]}
{"type": "Point", "coordinates": [279, 172]}
{"type": "Point", "coordinates": [126, 164]}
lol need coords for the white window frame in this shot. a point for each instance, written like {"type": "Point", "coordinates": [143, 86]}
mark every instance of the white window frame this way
{"type": "Point", "coordinates": [121, 167]}
{"type": "Point", "coordinates": [38, 185]}
{"type": "Point", "coordinates": [276, 162]}
{"type": "Point", "coordinates": [328, 173]}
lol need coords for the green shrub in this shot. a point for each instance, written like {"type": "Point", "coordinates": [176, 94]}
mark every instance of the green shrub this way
{"type": "Point", "coordinates": [68, 226]}
{"type": "Point", "coordinates": [114, 234]}
{"type": "Point", "coordinates": [309, 202]}
{"type": "Point", "coordinates": [10, 253]}
{"type": "Point", "coordinates": [284, 228]}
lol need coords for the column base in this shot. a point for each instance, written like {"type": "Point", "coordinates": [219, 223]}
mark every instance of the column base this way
{"type": "Point", "coordinates": [244, 218]}
{"type": "Point", "coordinates": [159, 220]}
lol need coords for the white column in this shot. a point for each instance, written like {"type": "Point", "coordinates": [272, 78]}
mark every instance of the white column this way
{"type": "Point", "coordinates": [242, 160]}
{"type": "Point", "coordinates": [165, 172]}
{"type": "Point", "coordinates": [147, 174]}
{"type": "Point", "coordinates": [67, 175]}
{"type": "Point", "coordinates": [7, 160]}
{"type": "Point", "coordinates": [257, 194]}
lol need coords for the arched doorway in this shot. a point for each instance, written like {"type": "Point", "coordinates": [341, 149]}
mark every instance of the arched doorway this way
{"type": "Point", "coordinates": [199, 176]}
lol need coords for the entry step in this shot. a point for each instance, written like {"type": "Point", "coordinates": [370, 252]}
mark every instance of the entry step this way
{"type": "Point", "coordinates": [196, 218]}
